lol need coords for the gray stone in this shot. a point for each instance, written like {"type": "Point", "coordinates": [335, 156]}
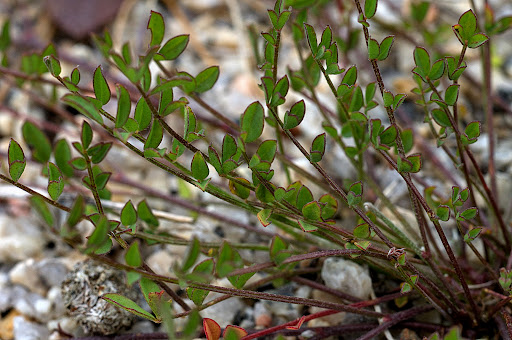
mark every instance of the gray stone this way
{"type": "Point", "coordinates": [223, 312]}
{"type": "Point", "coordinates": [347, 276]}
{"type": "Point", "coordinates": [38, 276]}
{"type": "Point", "coordinates": [26, 330]}
{"type": "Point", "coordinates": [20, 238]}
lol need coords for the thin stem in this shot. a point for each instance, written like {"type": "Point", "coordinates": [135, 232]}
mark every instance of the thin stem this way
{"type": "Point", "coordinates": [442, 236]}
{"type": "Point", "coordinates": [241, 292]}
{"type": "Point", "coordinates": [92, 184]}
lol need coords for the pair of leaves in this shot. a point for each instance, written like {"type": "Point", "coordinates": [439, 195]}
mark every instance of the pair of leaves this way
{"type": "Point", "coordinates": [465, 31]}
{"type": "Point", "coordinates": [380, 51]}
{"type": "Point", "coordinates": [355, 194]}
{"type": "Point", "coordinates": [321, 210]}
{"type": "Point", "coordinates": [213, 331]}
{"type": "Point", "coordinates": [424, 69]}
{"type": "Point", "coordinates": [228, 260]}
{"type": "Point", "coordinates": [411, 163]}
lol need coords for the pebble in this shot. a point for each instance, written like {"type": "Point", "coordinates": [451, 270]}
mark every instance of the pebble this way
{"type": "Point", "coordinates": [223, 312]}
{"type": "Point", "coordinates": [21, 238]}
{"type": "Point", "coordinates": [26, 330]}
{"type": "Point", "coordinates": [347, 276]}
{"type": "Point", "coordinates": [38, 276]}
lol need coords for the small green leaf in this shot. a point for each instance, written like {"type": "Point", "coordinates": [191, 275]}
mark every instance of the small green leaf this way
{"type": "Point", "coordinates": [132, 256]}
{"type": "Point", "coordinates": [42, 209]}
{"type": "Point", "coordinates": [128, 214]}
{"type": "Point", "coordinates": [101, 179]}
{"type": "Point", "coordinates": [312, 211]}
{"type": "Point", "coordinates": [173, 48]}
{"type": "Point", "coordinates": [304, 196]}
{"type": "Point", "coordinates": [53, 65]}
{"type": "Point", "coordinates": [405, 287]}
{"type": "Point", "coordinates": [99, 235]}
{"type": "Point", "coordinates": [350, 76]}
{"type": "Point", "coordinates": [149, 288]}
{"type": "Point", "coordinates": [197, 295]}
{"type": "Point", "coordinates": [199, 167]}
{"type": "Point", "coordinates": [452, 94]}
{"type": "Point", "coordinates": [86, 135]}
{"type": "Point", "coordinates": [252, 122]}
{"type": "Point", "coordinates": [469, 213]}
{"type": "Point", "coordinates": [281, 21]}
{"type": "Point", "coordinates": [142, 114]}
{"type": "Point", "coordinates": [101, 89]}
{"type": "Point", "coordinates": [472, 131]}
{"type": "Point", "coordinates": [407, 140]}
{"type": "Point", "coordinates": [422, 61]}
{"type": "Point", "coordinates": [273, 17]}
{"type": "Point", "coordinates": [437, 69]}
{"type": "Point", "coordinates": [75, 76]}
{"type": "Point", "coordinates": [55, 183]}
{"type": "Point", "coordinates": [77, 211]}
{"type": "Point", "coordinates": [241, 191]}
{"type": "Point", "coordinates": [362, 231]}
{"type": "Point", "coordinates": [443, 212]}
{"type": "Point", "coordinates": [98, 152]}
{"type": "Point", "coordinates": [307, 227]}
{"type": "Point", "coordinates": [477, 40]}
{"type": "Point", "coordinates": [370, 8]}
{"type": "Point", "coordinates": [354, 196]}
{"type": "Point", "coordinates": [192, 254]}
{"type": "Point", "coordinates": [5, 36]}
{"type": "Point", "coordinates": [144, 212]}
{"type": "Point", "coordinates": [84, 106]}
{"type": "Point", "coordinates": [267, 150]}
{"type": "Point", "coordinates": [388, 136]}
{"type": "Point", "coordinates": [441, 117]}
{"type": "Point", "coordinates": [157, 27]}
{"type": "Point", "coordinates": [124, 104]}
{"type": "Point", "coordinates": [295, 116]}
{"type": "Point", "coordinates": [280, 91]}
{"type": "Point", "coordinates": [472, 234]}
{"type": "Point", "coordinates": [38, 141]}
{"type": "Point", "coordinates": [16, 159]}
{"type": "Point", "coordinates": [385, 47]}
{"type": "Point", "coordinates": [228, 260]}
{"type": "Point", "coordinates": [206, 79]}
{"type": "Point", "coordinates": [468, 23]}
{"type": "Point", "coordinates": [62, 154]}
{"type": "Point", "coordinates": [329, 206]}
{"type": "Point", "coordinates": [373, 49]}
{"type": "Point", "coordinates": [239, 281]}
{"type": "Point", "coordinates": [278, 250]}
{"type": "Point", "coordinates": [415, 161]}
{"type": "Point", "coordinates": [388, 98]}
{"type": "Point", "coordinates": [79, 163]}
{"type": "Point", "coordinates": [356, 101]}
{"type": "Point", "coordinates": [311, 36]}
{"type": "Point", "coordinates": [129, 305]}
{"type": "Point", "coordinates": [263, 216]}
{"type": "Point", "coordinates": [155, 136]}
{"type": "Point", "coordinates": [317, 148]}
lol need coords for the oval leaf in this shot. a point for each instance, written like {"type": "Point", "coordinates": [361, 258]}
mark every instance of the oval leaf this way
{"type": "Point", "coordinates": [199, 167]}
{"type": "Point", "coordinates": [101, 89]}
{"type": "Point", "coordinates": [16, 159]}
{"type": "Point", "coordinates": [252, 122]}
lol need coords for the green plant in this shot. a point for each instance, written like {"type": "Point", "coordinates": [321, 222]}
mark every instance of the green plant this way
{"type": "Point", "coordinates": [427, 272]}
